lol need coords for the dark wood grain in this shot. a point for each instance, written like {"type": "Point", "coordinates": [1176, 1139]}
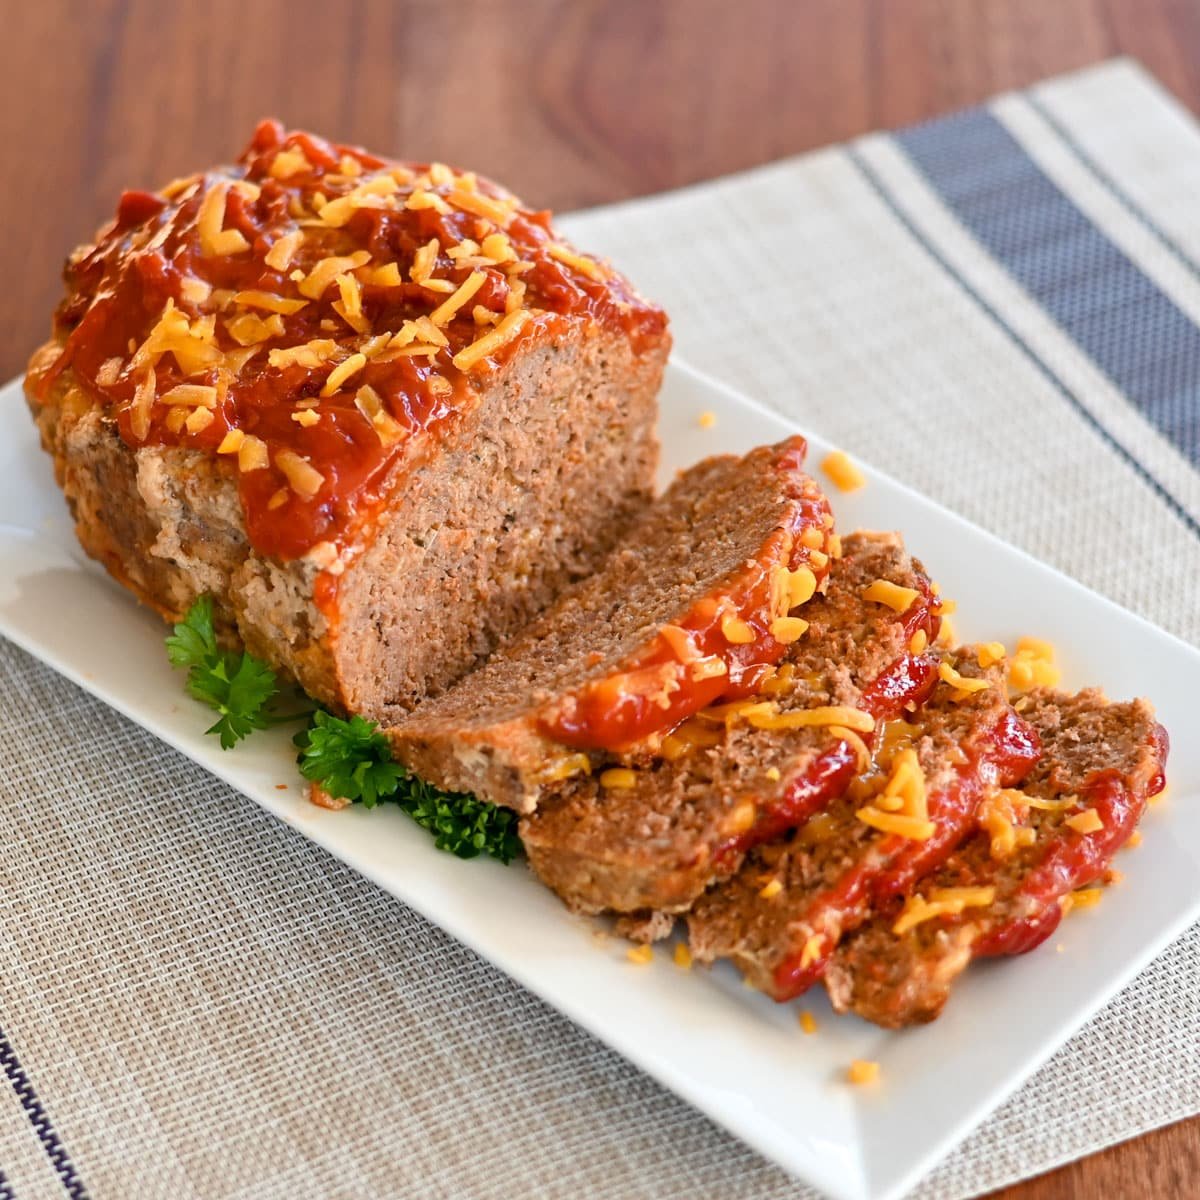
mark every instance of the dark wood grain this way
{"type": "Point", "coordinates": [571, 102]}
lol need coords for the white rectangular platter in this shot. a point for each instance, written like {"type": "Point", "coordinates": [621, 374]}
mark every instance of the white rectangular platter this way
{"type": "Point", "coordinates": [732, 1053]}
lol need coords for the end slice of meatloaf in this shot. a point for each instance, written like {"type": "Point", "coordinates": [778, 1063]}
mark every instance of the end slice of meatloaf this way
{"type": "Point", "coordinates": [379, 411]}
{"type": "Point", "coordinates": [653, 838]}
{"type": "Point", "coordinates": [1005, 890]}
{"type": "Point", "coordinates": [693, 606]}
{"type": "Point", "coordinates": [782, 916]}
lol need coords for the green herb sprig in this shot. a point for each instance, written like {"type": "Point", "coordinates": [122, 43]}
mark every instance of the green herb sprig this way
{"type": "Point", "coordinates": [350, 759]}
{"type": "Point", "coordinates": [238, 686]}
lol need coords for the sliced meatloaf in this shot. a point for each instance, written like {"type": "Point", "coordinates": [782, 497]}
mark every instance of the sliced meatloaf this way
{"type": "Point", "coordinates": [379, 410]}
{"type": "Point", "coordinates": [1005, 890]}
{"type": "Point", "coordinates": [655, 837]}
{"type": "Point", "coordinates": [781, 917]}
{"type": "Point", "coordinates": [697, 603]}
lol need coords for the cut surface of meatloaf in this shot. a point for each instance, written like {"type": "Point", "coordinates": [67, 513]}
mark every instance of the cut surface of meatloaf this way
{"type": "Point", "coordinates": [698, 601]}
{"type": "Point", "coordinates": [1005, 890]}
{"type": "Point", "coordinates": [653, 838]}
{"type": "Point", "coordinates": [781, 917]}
{"type": "Point", "coordinates": [379, 411]}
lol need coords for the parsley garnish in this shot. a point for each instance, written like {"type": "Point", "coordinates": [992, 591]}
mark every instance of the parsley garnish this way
{"type": "Point", "coordinates": [352, 759]}
{"type": "Point", "coordinates": [349, 759]}
{"type": "Point", "coordinates": [237, 685]}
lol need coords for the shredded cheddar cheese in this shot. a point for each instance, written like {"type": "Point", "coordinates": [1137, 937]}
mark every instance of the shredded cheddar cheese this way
{"type": "Point", "coordinates": [862, 1072]}
{"type": "Point", "coordinates": [1087, 821]}
{"type": "Point", "coordinates": [252, 454]}
{"type": "Point", "coordinates": [577, 262]}
{"type": "Point", "coordinates": [214, 239]}
{"type": "Point", "coordinates": [231, 442]}
{"type": "Point", "coordinates": [368, 402]}
{"type": "Point", "coordinates": [342, 372]}
{"type": "Point", "coordinates": [1000, 815]}
{"type": "Point", "coordinates": [941, 902]}
{"type": "Point", "coordinates": [989, 654]}
{"type": "Point", "coordinates": [765, 716]}
{"type": "Point", "coordinates": [962, 684]}
{"type": "Point", "coordinates": [1032, 665]}
{"type": "Point", "coordinates": [499, 211]}
{"type": "Point", "coordinates": [682, 956]}
{"type": "Point", "coordinates": [896, 823]}
{"type": "Point", "coordinates": [845, 476]}
{"type": "Point", "coordinates": [640, 955]}
{"type": "Point", "coordinates": [680, 641]}
{"type": "Point", "coordinates": [445, 311]}
{"type": "Point", "coordinates": [736, 631]}
{"type": "Point", "coordinates": [906, 784]}
{"type": "Point", "coordinates": [269, 302]}
{"type": "Point", "coordinates": [861, 753]}
{"type": "Point", "coordinates": [898, 599]}
{"type": "Point", "coordinates": [199, 419]}
{"type": "Point", "coordinates": [801, 586]}
{"type": "Point", "coordinates": [192, 395]}
{"type": "Point", "coordinates": [709, 667]}
{"type": "Point", "coordinates": [499, 337]}
{"type": "Point", "coordinates": [281, 253]}
{"type": "Point", "coordinates": [786, 630]}
{"type": "Point", "coordinates": [811, 951]}
{"type": "Point", "coordinates": [305, 479]}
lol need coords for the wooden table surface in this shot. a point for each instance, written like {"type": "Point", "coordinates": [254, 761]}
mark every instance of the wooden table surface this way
{"type": "Point", "coordinates": [570, 102]}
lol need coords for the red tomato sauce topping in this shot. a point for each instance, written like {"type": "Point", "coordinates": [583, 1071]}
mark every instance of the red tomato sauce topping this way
{"type": "Point", "coordinates": [307, 312]}
{"type": "Point", "coordinates": [905, 684]}
{"type": "Point", "coordinates": [1003, 754]}
{"type": "Point", "coordinates": [724, 647]}
{"type": "Point", "coordinates": [1071, 860]}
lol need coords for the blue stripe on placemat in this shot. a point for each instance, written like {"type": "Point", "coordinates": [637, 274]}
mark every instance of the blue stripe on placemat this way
{"type": "Point", "coordinates": [1114, 312]}
{"type": "Point", "coordinates": [6, 1191]}
{"type": "Point", "coordinates": [1113, 186]}
{"type": "Point", "coordinates": [39, 1119]}
{"type": "Point", "coordinates": [881, 190]}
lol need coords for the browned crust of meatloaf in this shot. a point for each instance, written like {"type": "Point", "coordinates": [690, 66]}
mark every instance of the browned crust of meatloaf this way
{"type": "Point", "coordinates": [760, 930]}
{"type": "Point", "coordinates": [653, 845]}
{"type": "Point", "coordinates": [483, 736]}
{"type": "Point", "coordinates": [897, 980]}
{"type": "Point", "coordinates": [526, 492]}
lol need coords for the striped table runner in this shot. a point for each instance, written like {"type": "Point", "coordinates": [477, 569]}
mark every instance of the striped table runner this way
{"type": "Point", "coordinates": [1001, 307]}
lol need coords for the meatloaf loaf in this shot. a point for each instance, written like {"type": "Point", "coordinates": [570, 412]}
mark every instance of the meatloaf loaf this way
{"type": "Point", "coordinates": [696, 604]}
{"type": "Point", "coordinates": [740, 773]}
{"type": "Point", "coordinates": [381, 411]}
{"type": "Point", "coordinates": [780, 918]}
{"type": "Point", "coordinates": [1005, 890]}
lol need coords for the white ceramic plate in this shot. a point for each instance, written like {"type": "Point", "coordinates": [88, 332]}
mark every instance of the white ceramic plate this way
{"type": "Point", "coordinates": [732, 1053]}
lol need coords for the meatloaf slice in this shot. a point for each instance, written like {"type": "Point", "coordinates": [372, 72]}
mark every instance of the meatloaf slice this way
{"type": "Point", "coordinates": [1005, 890]}
{"type": "Point", "coordinates": [654, 838]}
{"type": "Point", "coordinates": [781, 917]}
{"type": "Point", "coordinates": [692, 607]}
{"type": "Point", "coordinates": [380, 411]}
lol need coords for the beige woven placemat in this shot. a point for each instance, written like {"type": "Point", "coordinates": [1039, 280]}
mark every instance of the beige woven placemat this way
{"type": "Point", "coordinates": [999, 308]}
